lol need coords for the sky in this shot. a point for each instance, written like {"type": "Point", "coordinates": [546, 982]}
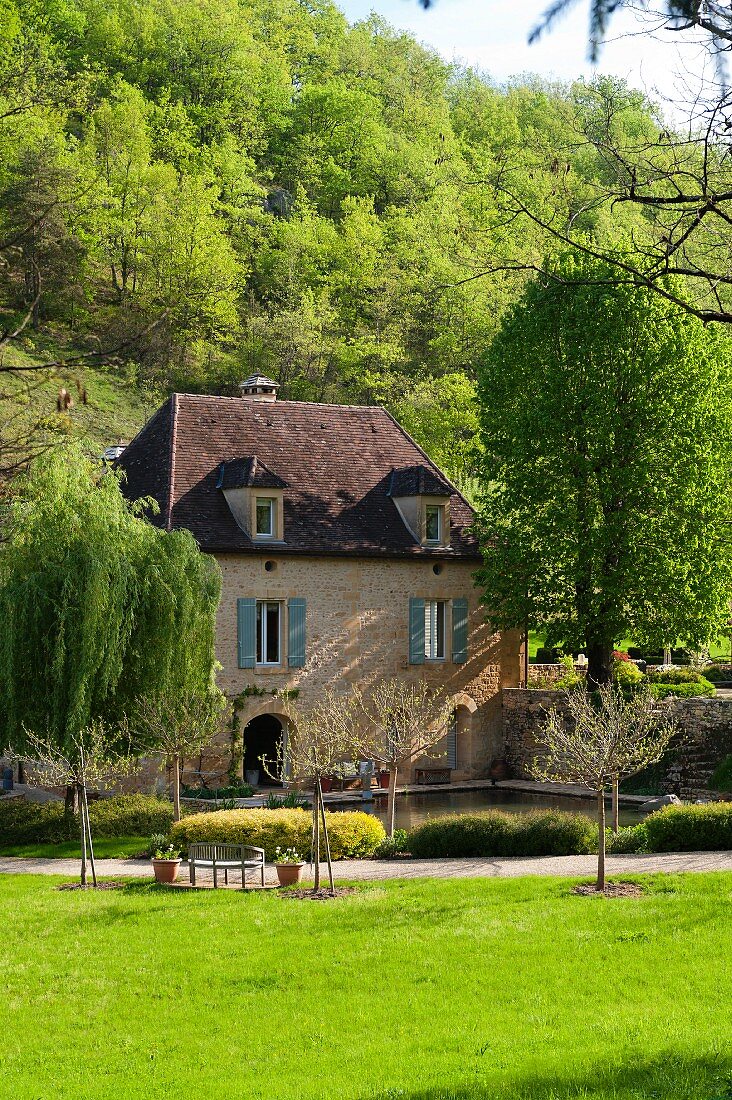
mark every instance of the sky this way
{"type": "Point", "coordinates": [492, 35]}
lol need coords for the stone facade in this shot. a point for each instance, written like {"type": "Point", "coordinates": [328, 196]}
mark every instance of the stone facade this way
{"type": "Point", "coordinates": [705, 738]}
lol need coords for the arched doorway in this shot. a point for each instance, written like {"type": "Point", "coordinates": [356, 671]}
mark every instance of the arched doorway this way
{"type": "Point", "coordinates": [263, 739]}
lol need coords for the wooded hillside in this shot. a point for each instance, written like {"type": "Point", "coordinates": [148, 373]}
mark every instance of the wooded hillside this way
{"type": "Point", "coordinates": [217, 187]}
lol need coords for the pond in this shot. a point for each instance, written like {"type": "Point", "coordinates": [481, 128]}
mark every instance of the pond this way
{"type": "Point", "coordinates": [412, 809]}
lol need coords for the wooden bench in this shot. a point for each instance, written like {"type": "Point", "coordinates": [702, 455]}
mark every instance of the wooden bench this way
{"type": "Point", "coordinates": [225, 857]}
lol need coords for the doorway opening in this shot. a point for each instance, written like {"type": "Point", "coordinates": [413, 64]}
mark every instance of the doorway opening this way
{"type": "Point", "coordinates": [263, 739]}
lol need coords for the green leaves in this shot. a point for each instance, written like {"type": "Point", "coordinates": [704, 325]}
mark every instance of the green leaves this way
{"type": "Point", "coordinates": [607, 428]}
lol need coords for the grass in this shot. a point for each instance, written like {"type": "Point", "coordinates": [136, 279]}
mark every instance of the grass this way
{"type": "Point", "coordinates": [449, 990]}
{"type": "Point", "coordinates": [104, 847]}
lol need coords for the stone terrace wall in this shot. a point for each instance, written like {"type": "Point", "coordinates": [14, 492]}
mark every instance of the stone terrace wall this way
{"type": "Point", "coordinates": [705, 737]}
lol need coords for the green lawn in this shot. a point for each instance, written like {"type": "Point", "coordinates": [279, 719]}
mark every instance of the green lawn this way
{"type": "Point", "coordinates": [418, 990]}
{"type": "Point", "coordinates": [104, 847]}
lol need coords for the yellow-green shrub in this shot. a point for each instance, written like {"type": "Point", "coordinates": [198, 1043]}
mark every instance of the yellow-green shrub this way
{"type": "Point", "coordinates": [352, 835]}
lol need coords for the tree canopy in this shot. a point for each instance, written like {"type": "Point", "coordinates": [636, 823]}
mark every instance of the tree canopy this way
{"type": "Point", "coordinates": [606, 427]}
{"type": "Point", "coordinates": [99, 607]}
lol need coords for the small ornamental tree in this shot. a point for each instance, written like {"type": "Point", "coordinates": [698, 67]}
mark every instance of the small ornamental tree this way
{"type": "Point", "coordinates": [178, 725]}
{"type": "Point", "coordinates": [408, 720]}
{"type": "Point", "coordinates": [90, 757]}
{"type": "Point", "coordinates": [602, 737]}
{"type": "Point", "coordinates": [322, 737]}
{"type": "Point", "coordinates": [98, 607]}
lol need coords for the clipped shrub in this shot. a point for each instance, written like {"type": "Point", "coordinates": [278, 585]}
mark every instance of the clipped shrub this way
{"type": "Point", "coordinates": [705, 828]}
{"type": "Point", "coordinates": [675, 676]}
{"type": "Point", "coordinates": [352, 835]}
{"type": "Point", "coordinates": [392, 846]}
{"type": "Point", "coordinates": [721, 778]}
{"type": "Point", "coordinates": [625, 673]}
{"type": "Point", "coordinates": [493, 833]}
{"type": "Point", "coordinates": [23, 822]}
{"type": "Point", "coordinates": [715, 673]}
{"type": "Point", "coordinates": [662, 690]}
{"type": "Point", "coordinates": [628, 839]}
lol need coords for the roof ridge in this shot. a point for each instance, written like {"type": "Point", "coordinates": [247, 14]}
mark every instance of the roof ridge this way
{"type": "Point", "coordinates": [283, 401]}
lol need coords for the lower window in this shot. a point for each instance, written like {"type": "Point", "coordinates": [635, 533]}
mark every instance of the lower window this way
{"type": "Point", "coordinates": [268, 632]}
{"type": "Point", "coordinates": [434, 629]}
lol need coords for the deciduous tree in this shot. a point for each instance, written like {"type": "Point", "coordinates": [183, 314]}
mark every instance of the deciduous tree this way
{"type": "Point", "coordinates": [607, 429]}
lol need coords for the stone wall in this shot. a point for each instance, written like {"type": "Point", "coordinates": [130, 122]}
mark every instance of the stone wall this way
{"type": "Point", "coordinates": [704, 740]}
{"type": "Point", "coordinates": [357, 627]}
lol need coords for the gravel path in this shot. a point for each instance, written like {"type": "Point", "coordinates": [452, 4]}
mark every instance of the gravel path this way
{"type": "Point", "coordinates": [373, 870]}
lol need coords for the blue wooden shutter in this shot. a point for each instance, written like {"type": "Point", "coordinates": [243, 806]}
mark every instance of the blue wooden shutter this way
{"type": "Point", "coordinates": [460, 630]}
{"type": "Point", "coordinates": [246, 630]}
{"type": "Point", "coordinates": [416, 631]}
{"type": "Point", "coordinates": [296, 632]}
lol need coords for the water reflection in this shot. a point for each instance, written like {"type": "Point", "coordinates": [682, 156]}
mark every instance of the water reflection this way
{"type": "Point", "coordinates": [411, 809]}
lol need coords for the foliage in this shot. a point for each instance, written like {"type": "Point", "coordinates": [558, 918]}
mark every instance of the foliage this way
{"type": "Point", "coordinates": [24, 822]}
{"type": "Point", "coordinates": [721, 777]}
{"type": "Point", "coordinates": [681, 691]}
{"type": "Point", "coordinates": [626, 674]}
{"type": "Point", "coordinates": [628, 839]}
{"type": "Point", "coordinates": [715, 673]}
{"type": "Point", "coordinates": [99, 607]}
{"type": "Point", "coordinates": [237, 790]}
{"type": "Point", "coordinates": [287, 855]}
{"type": "Point", "coordinates": [166, 852]}
{"type": "Point", "coordinates": [604, 512]}
{"type": "Point", "coordinates": [289, 801]}
{"type": "Point", "coordinates": [394, 845]}
{"type": "Point", "coordinates": [705, 828]}
{"type": "Point", "coordinates": [352, 835]}
{"type": "Point", "coordinates": [537, 833]}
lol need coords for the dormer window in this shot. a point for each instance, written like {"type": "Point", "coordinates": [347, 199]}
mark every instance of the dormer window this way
{"type": "Point", "coordinates": [255, 496]}
{"type": "Point", "coordinates": [422, 498]}
{"type": "Point", "coordinates": [433, 523]}
{"type": "Point", "coordinates": [265, 517]}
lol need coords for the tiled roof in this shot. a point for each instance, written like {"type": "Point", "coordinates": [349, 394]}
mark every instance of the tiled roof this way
{"type": "Point", "coordinates": [412, 481]}
{"type": "Point", "coordinates": [337, 462]}
{"type": "Point", "coordinates": [248, 473]}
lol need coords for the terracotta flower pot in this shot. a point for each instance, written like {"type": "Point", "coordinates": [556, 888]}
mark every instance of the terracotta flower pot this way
{"type": "Point", "coordinates": [326, 784]}
{"type": "Point", "coordinates": [384, 779]}
{"type": "Point", "coordinates": [166, 870]}
{"type": "Point", "coordinates": [289, 873]}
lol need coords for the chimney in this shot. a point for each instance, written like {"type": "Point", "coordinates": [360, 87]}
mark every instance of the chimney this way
{"type": "Point", "coordinates": [259, 388]}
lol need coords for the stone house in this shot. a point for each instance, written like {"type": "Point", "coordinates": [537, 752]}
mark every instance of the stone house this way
{"type": "Point", "coordinates": [346, 556]}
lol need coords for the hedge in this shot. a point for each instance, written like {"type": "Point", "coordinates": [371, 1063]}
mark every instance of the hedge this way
{"type": "Point", "coordinates": [493, 833]}
{"type": "Point", "coordinates": [24, 822]}
{"type": "Point", "coordinates": [352, 835]}
{"type": "Point", "coordinates": [682, 691]}
{"type": "Point", "coordinates": [629, 838]}
{"type": "Point", "coordinates": [706, 828]}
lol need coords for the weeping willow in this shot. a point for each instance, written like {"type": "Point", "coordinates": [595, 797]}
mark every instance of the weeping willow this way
{"type": "Point", "coordinates": [98, 607]}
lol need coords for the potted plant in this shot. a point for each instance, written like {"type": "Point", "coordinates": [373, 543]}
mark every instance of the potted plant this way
{"type": "Point", "coordinates": [326, 783]}
{"type": "Point", "coordinates": [166, 864]}
{"type": "Point", "coordinates": [288, 865]}
{"type": "Point", "coordinates": [384, 778]}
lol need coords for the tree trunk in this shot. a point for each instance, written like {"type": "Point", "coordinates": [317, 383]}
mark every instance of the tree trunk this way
{"type": "Point", "coordinates": [82, 817]}
{"type": "Point", "coordinates": [316, 835]}
{"type": "Point", "coordinates": [21, 773]}
{"type": "Point", "coordinates": [327, 842]}
{"type": "Point", "coordinates": [71, 799]}
{"type": "Point", "coordinates": [615, 804]}
{"type": "Point", "coordinates": [391, 800]}
{"type": "Point", "coordinates": [85, 804]}
{"type": "Point", "coordinates": [600, 884]}
{"type": "Point", "coordinates": [176, 787]}
{"type": "Point", "coordinates": [599, 664]}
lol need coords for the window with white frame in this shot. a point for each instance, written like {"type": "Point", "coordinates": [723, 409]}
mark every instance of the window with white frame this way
{"type": "Point", "coordinates": [265, 514]}
{"type": "Point", "coordinates": [434, 629]}
{"type": "Point", "coordinates": [269, 633]}
{"type": "Point", "coordinates": [433, 523]}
